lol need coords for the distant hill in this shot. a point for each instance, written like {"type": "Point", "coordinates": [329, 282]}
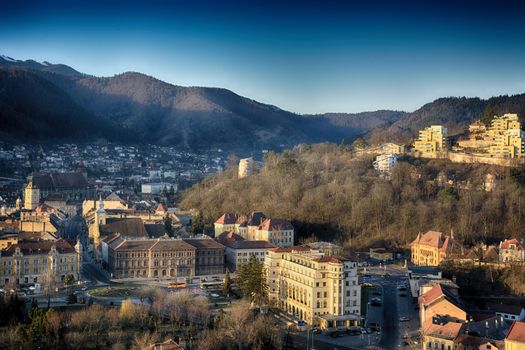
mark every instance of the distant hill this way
{"type": "Point", "coordinates": [149, 110]}
{"type": "Point", "coordinates": [8, 62]}
{"type": "Point", "coordinates": [33, 108]}
{"type": "Point", "coordinates": [54, 101]}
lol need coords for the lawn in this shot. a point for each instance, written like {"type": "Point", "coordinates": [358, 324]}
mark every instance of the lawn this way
{"type": "Point", "coordinates": [113, 292]}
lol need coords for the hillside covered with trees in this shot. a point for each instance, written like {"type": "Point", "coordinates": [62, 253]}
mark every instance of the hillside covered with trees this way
{"type": "Point", "coordinates": [328, 192]}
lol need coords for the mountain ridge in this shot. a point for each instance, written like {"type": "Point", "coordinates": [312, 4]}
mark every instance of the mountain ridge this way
{"type": "Point", "coordinates": [135, 107]}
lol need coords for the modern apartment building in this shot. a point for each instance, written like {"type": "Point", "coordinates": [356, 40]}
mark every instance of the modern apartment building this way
{"type": "Point", "coordinates": [321, 290]}
{"type": "Point", "coordinates": [507, 137]}
{"type": "Point", "coordinates": [431, 140]}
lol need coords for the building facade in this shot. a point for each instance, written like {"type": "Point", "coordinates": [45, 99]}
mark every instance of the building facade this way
{"type": "Point", "coordinates": [238, 250]}
{"type": "Point", "coordinates": [321, 290]}
{"type": "Point", "coordinates": [431, 248]}
{"type": "Point", "coordinates": [162, 258]}
{"type": "Point", "coordinates": [431, 140]}
{"type": "Point", "coordinates": [246, 166]}
{"type": "Point", "coordinates": [515, 339]}
{"type": "Point", "coordinates": [511, 250]}
{"type": "Point", "coordinates": [29, 261]}
{"type": "Point", "coordinates": [506, 136]}
{"type": "Point", "coordinates": [385, 163]}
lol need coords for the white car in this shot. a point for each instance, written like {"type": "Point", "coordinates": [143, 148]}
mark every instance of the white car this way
{"type": "Point", "coordinates": [214, 295]}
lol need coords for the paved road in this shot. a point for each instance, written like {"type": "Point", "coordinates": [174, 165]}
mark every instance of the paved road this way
{"type": "Point", "coordinates": [299, 342]}
{"type": "Point", "coordinates": [390, 330]}
{"type": "Point", "coordinates": [74, 227]}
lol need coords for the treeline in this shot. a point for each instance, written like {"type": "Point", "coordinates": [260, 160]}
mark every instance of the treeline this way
{"type": "Point", "coordinates": [328, 192]}
{"type": "Point", "coordinates": [157, 316]}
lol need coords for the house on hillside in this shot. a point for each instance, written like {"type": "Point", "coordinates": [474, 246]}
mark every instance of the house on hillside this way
{"type": "Point", "coordinates": [431, 248]}
{"type": "Point", "coordinates": [511, 250]}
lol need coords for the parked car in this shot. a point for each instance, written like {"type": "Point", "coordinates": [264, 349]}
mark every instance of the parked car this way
{"type": "Point", "coordinates": [404, 319]}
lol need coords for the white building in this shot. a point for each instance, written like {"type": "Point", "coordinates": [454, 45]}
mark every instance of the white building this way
{"type": "Point", "coordinates": [246, 166]}
{"type": "Point", "coordinates": [238, 251]}
{"type": "Point", "coordinates": [384, 163]}
{"type": "Point", "coordinates": [157, 187]}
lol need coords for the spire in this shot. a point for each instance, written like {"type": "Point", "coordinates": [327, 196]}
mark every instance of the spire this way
{"type": "Point", "coordinates": [100, 204]}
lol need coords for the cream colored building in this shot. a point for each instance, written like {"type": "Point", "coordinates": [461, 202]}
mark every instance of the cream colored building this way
{"type": "Point", "coordinates": [246, 166]}
{"type": "Point", "coordinates": [506, 136]}
{"type": "Point", "coordinates": [31, 195]}
{"type": "Point", "coordinates": [27, 261]}
{"type": "Point", "coordinates": [431, 248]}
{"type": "Point", "coordinates": [321, 290]}
{"type": "Point", "coordinates": [276, 231]}
{"type": "Point", "coordinates": [112, 201]}
{"type": "Point", "coordinates": [431, 140]}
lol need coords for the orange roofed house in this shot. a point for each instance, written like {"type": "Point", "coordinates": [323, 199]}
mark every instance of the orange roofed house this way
{"type": "Point", "coordinates": [431, 248]}
{"type": "Point", "coordinates": [515, 339]}
{"type": "Point", "coordinates": [441, 300]}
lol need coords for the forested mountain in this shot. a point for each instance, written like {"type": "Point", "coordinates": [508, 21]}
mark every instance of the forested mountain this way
{"type": "Point", "coordinates": [327, 192]}
{"type": "Point", "coordinates": [149, 110]}
{"type": "Point", "coordinates": [33, 108]}
{"type": "Point", "coordinates": [54, 101]}
{"type": "Point", "coordinates": [8, 62]}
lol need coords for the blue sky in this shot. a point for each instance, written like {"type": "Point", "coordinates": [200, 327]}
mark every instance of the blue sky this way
{"type": "Point", "coordinates": [302, 56]}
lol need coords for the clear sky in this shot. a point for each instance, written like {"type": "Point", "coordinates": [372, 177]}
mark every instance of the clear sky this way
{"type": "Point", "coordinates": [306, 57]}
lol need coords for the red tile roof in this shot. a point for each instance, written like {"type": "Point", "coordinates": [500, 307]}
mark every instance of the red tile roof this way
{"type": "Point", "coordinates": [517, 332]}
{"type": "Point", "coordinates": [297, 248]}
{"type": "Point", "coordinates": [39, 247]}
{"type": "Point", "coordinates": [506, 244]}
{"type": "Point", "coordinates": [434, 239]}
{"type": "Point", "coordinates": [275, 225]}
{"type": "Point", "coordinates": [228, 238]}
{"type": "Point", "coordinates": [449, 330]}
{"type": "Point", "coordinates": [162, 208]}
{"type": "Point", "coordinates": [251, 245]}
{"type": "Point", "coordinates": [227, 219]}
{"type": "Point", "coordinates": [437, 292]}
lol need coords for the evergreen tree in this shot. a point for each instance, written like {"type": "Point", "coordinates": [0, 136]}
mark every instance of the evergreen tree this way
{"type": "Point", "coordinates": [168, 226]}
{"type": "Point", "coordinates": [251, 278]}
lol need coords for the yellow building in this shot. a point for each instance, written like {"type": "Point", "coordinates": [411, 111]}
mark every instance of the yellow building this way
{"type": "Point", "coordinates": [112, 201]}
{"type": "Point", "coordinates": [440, 335]}
{"type": "Point", "coordinates": [506, 136]}
{"type": "Point", "coordinates": [431, 248]}
{"type": "Point", "coordinates": [381, 254]}
{"type": "Point", "coordinates": [29, 261]}
{"type": "Point", "coordinates": [431, 140]}
{"type": "Point", "coordinates": [320, 290]}
{"type": "Point", "coordinates": [42, 219]}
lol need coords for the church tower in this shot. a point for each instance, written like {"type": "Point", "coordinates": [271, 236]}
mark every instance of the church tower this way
{"type": "Point", "coordinates": [31, 195]}
{"type": "Point", "coordinates": [100, 219]}
{"type": "Point", "coordinates": [18, 204]}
